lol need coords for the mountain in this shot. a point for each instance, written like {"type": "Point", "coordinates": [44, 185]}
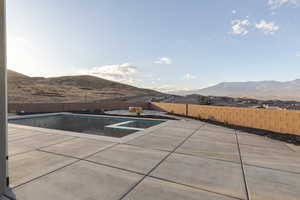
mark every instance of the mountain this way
{"type": "Point", "coordinates": [26, 89]}
{"type": "Point", "coordinates": [289, 90]}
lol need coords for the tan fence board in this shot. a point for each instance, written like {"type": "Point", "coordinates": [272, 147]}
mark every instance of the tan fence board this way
{"type": "Point", "coordinates": [282, 121]}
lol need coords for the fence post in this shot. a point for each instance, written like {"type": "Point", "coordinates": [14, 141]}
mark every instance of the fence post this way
{"type": "Point", "coordinates": [187, 110]}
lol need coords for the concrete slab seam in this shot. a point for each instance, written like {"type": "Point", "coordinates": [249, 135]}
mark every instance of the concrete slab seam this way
{"type": "Point", "coordinates": [242, 166]}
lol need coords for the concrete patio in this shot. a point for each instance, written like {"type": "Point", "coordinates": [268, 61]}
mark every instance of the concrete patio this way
{"type": "Point", "coordinates": [185, 159]}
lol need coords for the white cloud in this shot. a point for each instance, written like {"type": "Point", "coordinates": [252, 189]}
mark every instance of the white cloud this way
{"type": "Point", "coordinates": [268, 28]}
{"type": "Point", "coordinates": [170, 88]}
{"type": "Point", "coordinates": [164, 60]}
{"type": "Point", "coordinates": [273, 4]}
{"type": "Point", "coordinates": [298, 54]}
{"type": "Point", "coordinates": [233, 11]}
{"type": "Point", "coordinates": [189, 76]}
{"type": "Point", "coordinates": [121, 73]}
{"type": "Point", "coordinates": [240, 27]}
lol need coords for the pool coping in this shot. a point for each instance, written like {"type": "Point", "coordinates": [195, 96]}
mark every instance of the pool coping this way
{"type": "Point", "coordinates": [87, 136]}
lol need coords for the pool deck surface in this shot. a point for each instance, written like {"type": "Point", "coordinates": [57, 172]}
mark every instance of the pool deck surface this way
{"type": "Point", "coordinates": [178, 160]}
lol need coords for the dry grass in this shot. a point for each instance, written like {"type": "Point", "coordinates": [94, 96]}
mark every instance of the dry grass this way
{"type": "Point", "coordinates": [25, 89]}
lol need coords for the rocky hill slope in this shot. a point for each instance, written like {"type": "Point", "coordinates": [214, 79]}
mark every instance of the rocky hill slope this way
{"type": "Point", "coordinates": [25, 89]}
{"type": "Point", "coordinates": [289, 90]}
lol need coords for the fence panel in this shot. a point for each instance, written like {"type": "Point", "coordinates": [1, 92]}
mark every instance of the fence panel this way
{"type": "Point", "coordinates": [178, 109]}
{"type": "Point", "coordinates": [282, 121]}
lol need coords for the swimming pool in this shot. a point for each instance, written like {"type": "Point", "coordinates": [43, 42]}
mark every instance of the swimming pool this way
{"type": "Point", "coordinates": [96, 125]}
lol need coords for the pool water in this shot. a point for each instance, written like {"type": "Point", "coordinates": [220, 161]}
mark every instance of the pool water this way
{"type": "Point", "coordinates": [105, 126]}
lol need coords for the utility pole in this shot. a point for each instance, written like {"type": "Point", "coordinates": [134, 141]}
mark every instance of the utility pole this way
{"type": "Point", "coordinates": [4, 180]}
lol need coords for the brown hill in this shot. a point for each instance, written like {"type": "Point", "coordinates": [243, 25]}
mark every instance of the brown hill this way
{"type": "Point", "coordinates": [265, 90]}
{"type": "Point", "coordinates": [22, 88]}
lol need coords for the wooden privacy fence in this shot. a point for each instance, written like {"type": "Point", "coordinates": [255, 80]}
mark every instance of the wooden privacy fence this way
{"type": "Point", "coordinates": [66, 107]}
{"type": "Point", "coordinates": [282, 121]}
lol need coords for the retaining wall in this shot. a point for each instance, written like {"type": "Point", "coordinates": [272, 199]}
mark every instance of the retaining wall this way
{"type": "Point", "coordinates": [66, 107]}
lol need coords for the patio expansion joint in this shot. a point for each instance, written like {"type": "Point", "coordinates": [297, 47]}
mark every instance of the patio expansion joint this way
{"type": "Point", "coordinates": [67, 140]}
{"type": "Point", "coordinates": [76, 161]}
{"type": "Point", "coordinates": [206, 157]}
{"type": "Point", "coordinates": [94, 162]}
{"type": "Point", "coordinates": [157, 165]}
{"type": "Point", "coordinates": [36, 149]}
{"type": "Point", "coordinates": [36, 178]}
{"type": "Point", "coordinates": [193, 187]}
{"type": "Point", "coordinates": [185, 154]}
{"type": "Point", "coordinates": [279, 170]}
{"type": "Point", "coordinates": [12, 155]}
{"type": "Point", "coordinates": [74, 157]}
{"type": "Point", "coordinates": [242, 166]}
{"type": "Point", "coordinates": [147, 133]}
{"type": "Point", "coordinates": [119, 168]}
{"type": "Point", "coordinates": [18, 139]}
{"type": "Point", "coordinates": [290, 148]}
{"type": "Point", "coordinates": [259, 146]}
{"type": "Point", "coordinates": [144, 175]}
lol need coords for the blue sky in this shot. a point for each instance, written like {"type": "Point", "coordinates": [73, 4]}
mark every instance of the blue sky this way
{"type": "Point", "coordinates": [168, 45]}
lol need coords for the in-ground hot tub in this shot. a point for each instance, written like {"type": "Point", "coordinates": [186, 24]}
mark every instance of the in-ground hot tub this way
{"type": "Point", "coordinates": [87, 124]}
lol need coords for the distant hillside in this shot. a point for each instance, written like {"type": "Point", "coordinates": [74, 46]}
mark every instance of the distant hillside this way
{"type": "Point", "coordinates": [22, 88]}
{"type": "Point", "coordinates": [289, 90]}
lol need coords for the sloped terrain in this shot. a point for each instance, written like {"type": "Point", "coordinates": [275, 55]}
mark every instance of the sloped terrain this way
{"type": "Point", "coordinates": [289, 90]}
{"type": "Point", "coordinates": [25, 89]}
